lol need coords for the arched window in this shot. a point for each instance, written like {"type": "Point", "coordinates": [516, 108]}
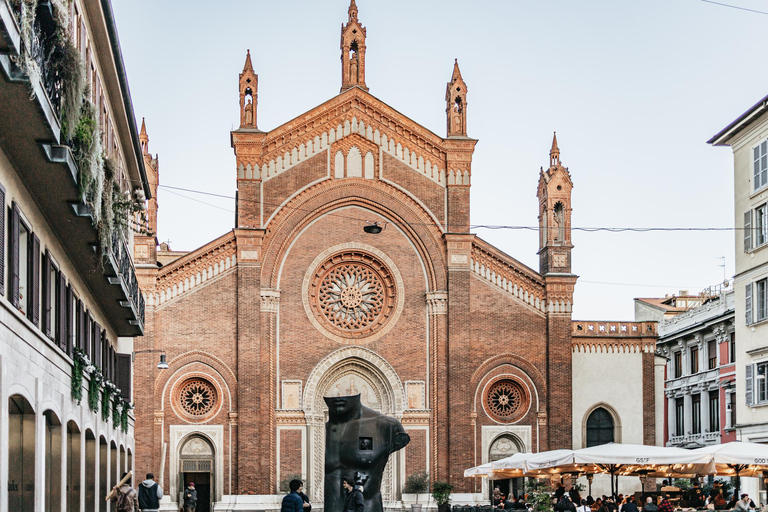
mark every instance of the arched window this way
{"type": "Point", "coordinates": [600, 427]}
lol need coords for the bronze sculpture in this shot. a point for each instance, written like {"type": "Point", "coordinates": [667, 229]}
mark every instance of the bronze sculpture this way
{"type": "Point", "coordinates": [358, 442]}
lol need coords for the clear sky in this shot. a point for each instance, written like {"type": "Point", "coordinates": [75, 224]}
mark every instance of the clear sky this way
{"type": "Point", "coordinates": [634, 89]}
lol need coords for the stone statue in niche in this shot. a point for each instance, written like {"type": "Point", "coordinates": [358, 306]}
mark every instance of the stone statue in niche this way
{"type": "Point", "coordinates": [353, 67]}
{"type": "Point", "coordinates": [249, 112]}
{"type": "Point", "coordinates": [358, 440]}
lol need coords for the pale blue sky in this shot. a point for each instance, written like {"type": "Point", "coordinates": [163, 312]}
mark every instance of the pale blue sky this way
{"type": "Point", "coordinates": [633, 88]}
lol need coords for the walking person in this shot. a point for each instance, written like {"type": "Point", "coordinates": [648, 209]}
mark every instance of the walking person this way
{"type": "Point", "coordinates": [126, 497]}
{"type": "Point", "coordinates": [190, 498]}
{"type": "Point", "coordinates": [292, 502]}
{"type": "Point", "coordinates": [150, 494]}
{"type": "Point", "coordinates": [355, 501]}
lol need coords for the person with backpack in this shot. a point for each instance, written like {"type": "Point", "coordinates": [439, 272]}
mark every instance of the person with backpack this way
{"type": "Point", "coordinates": [126, 498]}
{"type": "Point", "coordinates": [150, 494]}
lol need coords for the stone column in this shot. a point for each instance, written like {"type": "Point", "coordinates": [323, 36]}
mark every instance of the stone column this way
{"type": "Point", "coordinates": [687, 416]}
{"type": "Point", "coordinates": [704, 396]}
{"type": "Point", "coordinates": [671, 423]}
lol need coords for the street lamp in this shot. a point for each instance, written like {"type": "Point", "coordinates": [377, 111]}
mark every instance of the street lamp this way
{"type": "Point", "coordinates": [373, 228]}
{"type": "Point", "coordinates": [162, 365]}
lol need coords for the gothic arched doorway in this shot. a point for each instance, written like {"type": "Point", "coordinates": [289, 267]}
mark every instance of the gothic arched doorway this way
{"type": "Point", "coordinates": [196, 465]}
{"type": "Point", "coordinates": [350, 371]}
{"type": "Point", "coordinates": [502, 447]}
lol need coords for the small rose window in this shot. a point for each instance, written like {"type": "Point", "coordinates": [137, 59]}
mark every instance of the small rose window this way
{"type": "Point", "coordinates": [506, 400]}
{"type": "Point", "coordinates": [197, 397]}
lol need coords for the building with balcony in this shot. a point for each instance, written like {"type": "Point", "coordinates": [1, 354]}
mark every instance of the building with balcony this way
{"type": "Point", "coordinates": [699, 386]}
{"type": "Point", "coordinates": [73, 188]}
{"type": "Point", "coordinates": [748, 138]}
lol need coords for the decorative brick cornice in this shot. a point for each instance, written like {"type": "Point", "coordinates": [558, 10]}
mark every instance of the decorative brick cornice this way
{"type": "Point", "coordinates": [437, 303]}
{"type": "Point", "coordinates": [508, 274]}
{"type": "Point", "coordinates": [415, 418]}
{"type": "Point", "coordinates": [624, 337]}
{"type": "Point", "coordinates": [290, 418]}
{"type": "Point", "coordinates": [194, 269]}
{"type": "Point", "coordinates": [270, 300]}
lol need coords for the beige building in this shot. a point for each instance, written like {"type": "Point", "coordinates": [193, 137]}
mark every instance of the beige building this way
{"type": "Point", "coordinates": [72, 185]}
{"type": "Point", "coordinates": [748, 137]}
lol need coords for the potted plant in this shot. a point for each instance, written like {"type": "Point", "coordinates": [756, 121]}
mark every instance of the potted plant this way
{"type": "Point", "coordinates": [415, 490]}
{"type": "Point", "coordinates": [441, 492]}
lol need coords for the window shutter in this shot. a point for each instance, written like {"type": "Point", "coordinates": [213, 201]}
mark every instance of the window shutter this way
{"type": "Point", "coordinates": [89, 338]}
{"type": "Point", "coordinates": [748, 385]}
{"type": "Point", "coordinates": [80, 325]}
{"type": "Point", "coordinates": [62, 335]}
{"type": "Point", "coordinates": [14, 272]}
{"type": "Point", "coordinates": [748, 304]}
{"type": "Point", "coordinates": [97, 351]}
{"type": "Point", "coordinates": [47, 285]}
{"type": "Point", "coordinates": [70, 322]}
{"type": "Point", "coordinates": [2, 240]}
{"type": "Point", "coordinates": [747, 231]}
{"type": "Point", "coordinates": [34, 278]}
{"type": "Point", "coordinates": [123, 374]}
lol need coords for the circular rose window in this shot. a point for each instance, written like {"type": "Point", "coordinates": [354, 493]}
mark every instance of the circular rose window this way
{"type": "Point", "coordinates": [197, 397]}
{"type": "Point", "coordinates": [353, 293]}
{"type": "Point", "coordinates": [505, 400]}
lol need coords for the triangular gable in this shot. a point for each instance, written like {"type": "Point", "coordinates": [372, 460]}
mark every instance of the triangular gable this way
{"type": "Point", "coordinates": [352, 112]}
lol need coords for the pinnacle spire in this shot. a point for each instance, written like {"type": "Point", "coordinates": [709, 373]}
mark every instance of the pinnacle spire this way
{"type": "Point", "coordinates": [248, 66]}
{"type": "Point", "coordinates": [554, 153]}
{"type": "Point", "coordinates": [352, 11]}
{"type": "Point", "coordinates": [143, 137]}
{"type": "Point", "coordinates": [456, 71]}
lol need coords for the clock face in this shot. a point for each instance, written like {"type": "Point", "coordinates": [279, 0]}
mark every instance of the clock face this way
{"type": "Point", "coordinates": [559, 260]}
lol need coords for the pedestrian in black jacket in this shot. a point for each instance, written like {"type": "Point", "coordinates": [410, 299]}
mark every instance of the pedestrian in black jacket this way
{"type": "Point", "coordinates": [355, 501]}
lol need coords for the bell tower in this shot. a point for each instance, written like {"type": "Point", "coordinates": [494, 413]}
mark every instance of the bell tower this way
{"type": "Point", "coordinates": [554, 195]}
{"type": "Point", "coordinates": [456, 99]}
{"type": "Point", "coordinates": [249, 97]}
{"type": "Point", "coordinates": [352, 52]}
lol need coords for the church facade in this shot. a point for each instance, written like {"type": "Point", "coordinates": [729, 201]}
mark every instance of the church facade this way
{"type": "Point", "coordinates": [352, 269]}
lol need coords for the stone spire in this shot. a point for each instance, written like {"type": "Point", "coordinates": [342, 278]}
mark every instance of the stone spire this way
{"type": "Point", "coordinates": [554, 153]}
{"type": "Point", "coordinates": [353, 52]}
{"type": "Point", "coordinates": [456, 104]}
{"type": "Point", "coordinates": [248, 66]}
{"type": "Point", "coordinates": [144, 138]}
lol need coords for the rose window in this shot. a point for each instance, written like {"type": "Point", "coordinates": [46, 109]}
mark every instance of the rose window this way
{"type": "Point", "coordinates": [505, 400]}
{"type": "Point", "coordinates": [354, 293]}
{"type": "Point", "coordinates": [197, 397]}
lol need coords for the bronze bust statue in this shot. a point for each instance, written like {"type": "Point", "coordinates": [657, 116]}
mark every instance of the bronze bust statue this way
{"type": "Point", "coordinates": [358, 441]}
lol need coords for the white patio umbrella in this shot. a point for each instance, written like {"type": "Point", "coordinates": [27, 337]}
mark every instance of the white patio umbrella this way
{"type": "Point", "coordinates": [642, 460]}
{"type": "Point", "coordinates": [508, 467]}
{"type": "Point", "coordinates": [737, 458]}
{"type": "Point", "coordinates": [478, 471]}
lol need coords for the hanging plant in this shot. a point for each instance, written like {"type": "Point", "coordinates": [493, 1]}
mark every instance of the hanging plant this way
{"type": "Point", "coordinates": [79, 368]}
{"type": "Point", "coordinates": [94, 389]}
{"type": "Point", "coordinates": [127, 406]}
{"type": "Point", "coordinates": [117, 410]}
{"type": "Point", "coordinates": [106, 399]}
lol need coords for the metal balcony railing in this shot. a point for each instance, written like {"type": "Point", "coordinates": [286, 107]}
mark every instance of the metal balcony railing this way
{"type": "Point", "coordinates": [127, 273]}
{"type": "Point", "coordinates": [43, 48]}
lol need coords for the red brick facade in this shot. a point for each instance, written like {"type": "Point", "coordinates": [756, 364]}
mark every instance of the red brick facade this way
{"type": "Point", "coordinates": [463, 316]}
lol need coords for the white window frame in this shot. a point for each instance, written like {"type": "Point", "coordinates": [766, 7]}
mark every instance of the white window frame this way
{"type": "Point", "coordinates": [760, 164]}
{"type": "Point", "coordinates": [756, 227]}
{"type": "Point", "coordinates": [756, 301]}
{"type": "Point", "coordinates": [761, 383]}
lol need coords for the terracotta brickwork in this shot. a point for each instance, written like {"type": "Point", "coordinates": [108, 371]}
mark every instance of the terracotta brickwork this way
{"type": "Point", "coordinates": [426, 321]}
{"type": "Point", "coordinates": [290, 453]}
{"type": "Point", "coordinates": [416, 452]}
